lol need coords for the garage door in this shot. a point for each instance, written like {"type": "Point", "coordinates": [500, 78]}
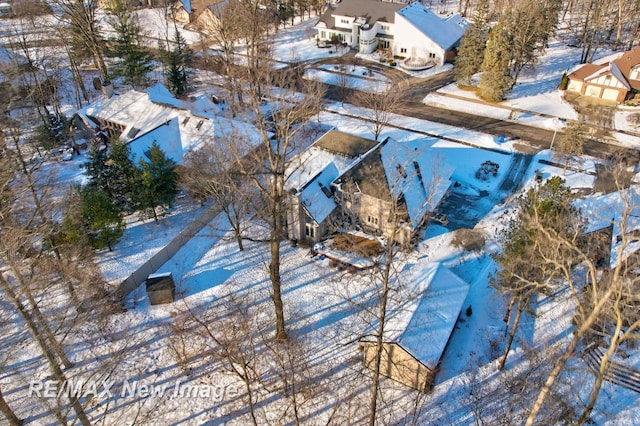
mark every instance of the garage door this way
{"type": "Point", "coordinates": [593, 91]}
{"type": "Point", "coordinates": [610, 94]}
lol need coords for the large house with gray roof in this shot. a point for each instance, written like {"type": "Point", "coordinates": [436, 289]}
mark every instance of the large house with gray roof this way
{"type": "Point", "coordinates": [408, 30]}
{"type": "Point", "coordinates": [344, 182]}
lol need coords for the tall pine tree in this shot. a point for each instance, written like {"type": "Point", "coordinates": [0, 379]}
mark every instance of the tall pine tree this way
{"type": "Point", "coordinates": [495, 80]}
{"type": "Point", "coordinates": [133, 60]}
{"type": "Point", "coordinates": [121, 175]}
{"type": "Point", "coordinates": [156, 183]}
{"type": "Point", "coordinates": [472, 45]}
{"type": "Point", "coordinates": [96, 169]}
{"type": "Point", "coordinates": [113, 173]}
{"type": "Point", "coordinates": [101, 218]}
{"type": "Point", "coordinates": [177, 61]}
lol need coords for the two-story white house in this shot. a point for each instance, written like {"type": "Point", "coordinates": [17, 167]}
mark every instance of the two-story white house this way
{"type": "Point", "coordinates": [408, 30]}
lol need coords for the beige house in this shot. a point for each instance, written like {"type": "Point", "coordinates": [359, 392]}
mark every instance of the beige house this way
{"type": "Point", "coordinates": [616, 80]}
{"type": "Point", "coordinates": [311, 204]}
{"type": "Point", "coordinates": [350, 183]}
{"type": "Point", "coordinates": [402, 179]}
{"type": "Point", "coordinates": [417, 332]}
{"type": "Point", "coordinates": [199, 14]}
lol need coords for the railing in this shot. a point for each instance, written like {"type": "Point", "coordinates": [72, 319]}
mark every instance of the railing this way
{"type": "Point", "coordinates": [615, 372]}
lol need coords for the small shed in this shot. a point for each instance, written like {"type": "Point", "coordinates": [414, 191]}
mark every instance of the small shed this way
{"type": "Point", "coordinates": [161, 288]}
{"type": "Point", "coordinates": [417, 333]}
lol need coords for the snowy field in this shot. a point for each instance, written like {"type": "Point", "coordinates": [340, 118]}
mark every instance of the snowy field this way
{"type": "Point", "coordinates": [326, 309]}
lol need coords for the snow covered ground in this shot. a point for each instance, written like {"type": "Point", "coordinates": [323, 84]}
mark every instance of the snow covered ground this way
{"type": "Point", "coordinates": [326, 309]}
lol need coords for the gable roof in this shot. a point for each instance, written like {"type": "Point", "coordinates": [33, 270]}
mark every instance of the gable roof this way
{"type": "Point", "coordinates": [587, 70]}
{"type": "Point", "coordinates": [619, 66]}
{"type": "Point", "coordinates": [625, 64]}
{"type": "Point", "coordinates": [415, 174]}
{"type": "Point", "coordinates": [403, 171]}
{"type": "Point", "coordinates": [152, 115]}
{"type": "Point", "coordinates": [371, 10]}
{"type": "Point", "coordinates": [424, 324]}
{"type": "Point", "coordinates": [316, 197]}
{"type": "Point", "coordinates": [341, 149]}
{"type": "Point", "coordinates": [446, 33]}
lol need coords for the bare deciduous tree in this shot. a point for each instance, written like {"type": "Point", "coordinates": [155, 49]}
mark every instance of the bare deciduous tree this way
{"type": "Point", "coordinates": [383, 105]}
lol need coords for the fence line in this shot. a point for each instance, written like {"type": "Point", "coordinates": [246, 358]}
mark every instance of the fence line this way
{"type": "Point", "coordinates": [138, 276]}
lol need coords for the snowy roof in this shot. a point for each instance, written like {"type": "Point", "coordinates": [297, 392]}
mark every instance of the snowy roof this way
{"type": "Point", "coordinates": [611, 209]}
{"type": "Point", "coordinates": [166, 136]}
{"type": "Point", "coordinates": [161, 95]}
{"type": "Point", "coordinates": [416, 173]}
{"type": "Point", "coordinates": [444, 32]}
{"type": "Point", "coordinates": [341, 149]}
{"type": "Point", "coordinates": [9, 57]}
{"type": "Point", "coordinates": [186, 4]}
{"type": "Point", "coordinates": [423, 325]}
{"type": "Point", "coordinates": [316, 197]}
{"type": "Point", "coordinates": [154, 115]}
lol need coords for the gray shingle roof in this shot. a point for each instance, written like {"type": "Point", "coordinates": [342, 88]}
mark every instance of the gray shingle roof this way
{"type": "Point", "coordinates": [372, 10]}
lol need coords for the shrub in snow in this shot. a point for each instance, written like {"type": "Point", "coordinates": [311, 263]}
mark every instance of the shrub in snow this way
{"type": "Point", "coordinates": [488, 168]}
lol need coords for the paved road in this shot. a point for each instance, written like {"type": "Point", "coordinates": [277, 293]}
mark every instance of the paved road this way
{"type": "Point", "coordinates": [532, 139]}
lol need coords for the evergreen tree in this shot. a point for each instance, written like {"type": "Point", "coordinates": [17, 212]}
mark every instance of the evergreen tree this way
{"type": "Point", "coordinates": [121, 174]}
{"type": "Point", "coordinates": [178, 61]}
{"type": "Point", "coordinates": [96, 169]}
{"type": "Point", "coordinates": [495, 80]}
{"type": "Point", "coordinates": [101, 217]}
{"type": "Point", "coordinates": [133, 60]}
{"type": "Point", "coordinates": [544, 213]}
{"type": "Point", "coordinates": [113, 173]}
{"type": "Point", "coordinates": [156, 183]}
{"type": "Point", "coordinates": [472, 45]}
{"type": "Point", "coordinates": [73, 231]}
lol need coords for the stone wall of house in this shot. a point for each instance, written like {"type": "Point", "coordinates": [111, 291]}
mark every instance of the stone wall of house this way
{"type": "Point", "coordinates": [399, 365]}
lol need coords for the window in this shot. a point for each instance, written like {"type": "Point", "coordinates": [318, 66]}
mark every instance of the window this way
{"type": "Point", "coordinates": [344, 21]}
{"type": "Point", "coordinates": [385, 28]}
{"type": "Point", "coordinates": [199, 124]}
{"type": "Point", "coordinates": [323, 34]}
{"type": "Point", "coordinates": [403, 50]}
{"type": "Point", "coordinates": [432, 55]}
{"type": "Point", "coordinates": [309, 230]}
{"type": "Point", "coordinates": [372, 220]}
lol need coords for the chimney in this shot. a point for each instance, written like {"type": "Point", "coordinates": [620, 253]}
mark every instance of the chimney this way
{"type": "Point", "coordinates": [107, 89]}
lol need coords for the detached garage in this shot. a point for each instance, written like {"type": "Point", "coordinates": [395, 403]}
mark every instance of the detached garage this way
{"type": "Point", "coordinates": [417, 333]}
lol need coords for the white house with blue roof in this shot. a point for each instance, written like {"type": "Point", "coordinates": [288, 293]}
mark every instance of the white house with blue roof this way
{"type": "Point", "coordinates": [409, 30]}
